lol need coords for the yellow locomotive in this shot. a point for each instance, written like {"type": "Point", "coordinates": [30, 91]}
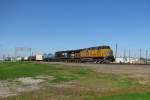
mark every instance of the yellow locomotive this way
{"type": "Point", "coordinates": [100, 54]}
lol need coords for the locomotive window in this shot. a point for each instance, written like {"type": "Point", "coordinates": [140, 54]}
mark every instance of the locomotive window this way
{"type": "Point", "coordinates": [105, 47]}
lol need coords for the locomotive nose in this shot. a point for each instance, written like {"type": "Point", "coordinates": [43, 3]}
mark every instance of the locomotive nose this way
{"type": "Point", "coordinates": [109, 53]}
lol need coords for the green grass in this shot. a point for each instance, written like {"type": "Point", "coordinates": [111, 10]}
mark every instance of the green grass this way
{"type": "Point", "coordinates": [128, 96]}
{"type": "Point", "coordinates": [46, 95]}
{"type": "Point", "coordinates": [107, 81]}
{"type": "Point", "coordinates": [12, 70]}
{"type": "Point", "coordinates": [86, 88]}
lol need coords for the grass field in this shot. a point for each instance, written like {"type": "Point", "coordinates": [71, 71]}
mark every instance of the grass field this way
{"type": "Point", "coordinates": [54, 81]}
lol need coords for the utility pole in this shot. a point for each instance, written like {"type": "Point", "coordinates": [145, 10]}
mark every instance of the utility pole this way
{"type": "Point", "coordinates": [32, 54]}
{"type": "Point", "coordinates": [140, 55]}
{"type": "Point", "coordinates": [30, 51]}
{"type": "Point", "coordinates": [124, 55]}
{"type": "Point", "coordinates": [1, 51]}
{"type": "Point", "coordinates": [15, 53]}
{"type": "Point", "coordinates": [129, 56]}
{"type": "Point", "coordinates": [116, 50]}
{"type": "Point", "coordinates": [146, 55]}
{"type": "Point", "coordinates": [3, 57]}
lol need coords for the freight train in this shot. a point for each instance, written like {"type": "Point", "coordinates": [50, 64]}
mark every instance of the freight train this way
{"type": "Point", "coordinates": [99, 54]}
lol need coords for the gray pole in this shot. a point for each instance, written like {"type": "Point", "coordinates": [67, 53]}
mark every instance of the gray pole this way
{"type": "Point", "coordinates": [30, 51]}
{"type": "Point", "coordinates": [140, 55]}
{"type": "Point", "coordinates": [129, 56]}
{"type": "Point", "coordinates": [0, 50]}
{"type": "Point", "coordinates": [116, 51]}
{"type": "Point", "coordinates": [146, 55]}
{"type": "Point", "coordinates": [15, 53]}
{"type": "Point", "coordinates": [124, 54]}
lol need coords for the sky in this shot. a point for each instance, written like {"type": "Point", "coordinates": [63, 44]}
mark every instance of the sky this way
{"type": "Point", "coordinates": [53, 25]}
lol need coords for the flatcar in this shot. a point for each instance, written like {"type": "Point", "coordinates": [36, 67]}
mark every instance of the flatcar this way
{"type": "Point", "coordinates": [99, 54]}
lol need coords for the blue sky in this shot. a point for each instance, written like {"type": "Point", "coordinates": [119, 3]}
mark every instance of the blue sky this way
{"type": "Point", "coordinates": [51, 25]}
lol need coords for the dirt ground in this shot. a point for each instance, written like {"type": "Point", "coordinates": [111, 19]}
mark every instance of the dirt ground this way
{"type": "Point", "coordinates": [110, 68]}
{"type": "Point", "coordinates": [25, 84]}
